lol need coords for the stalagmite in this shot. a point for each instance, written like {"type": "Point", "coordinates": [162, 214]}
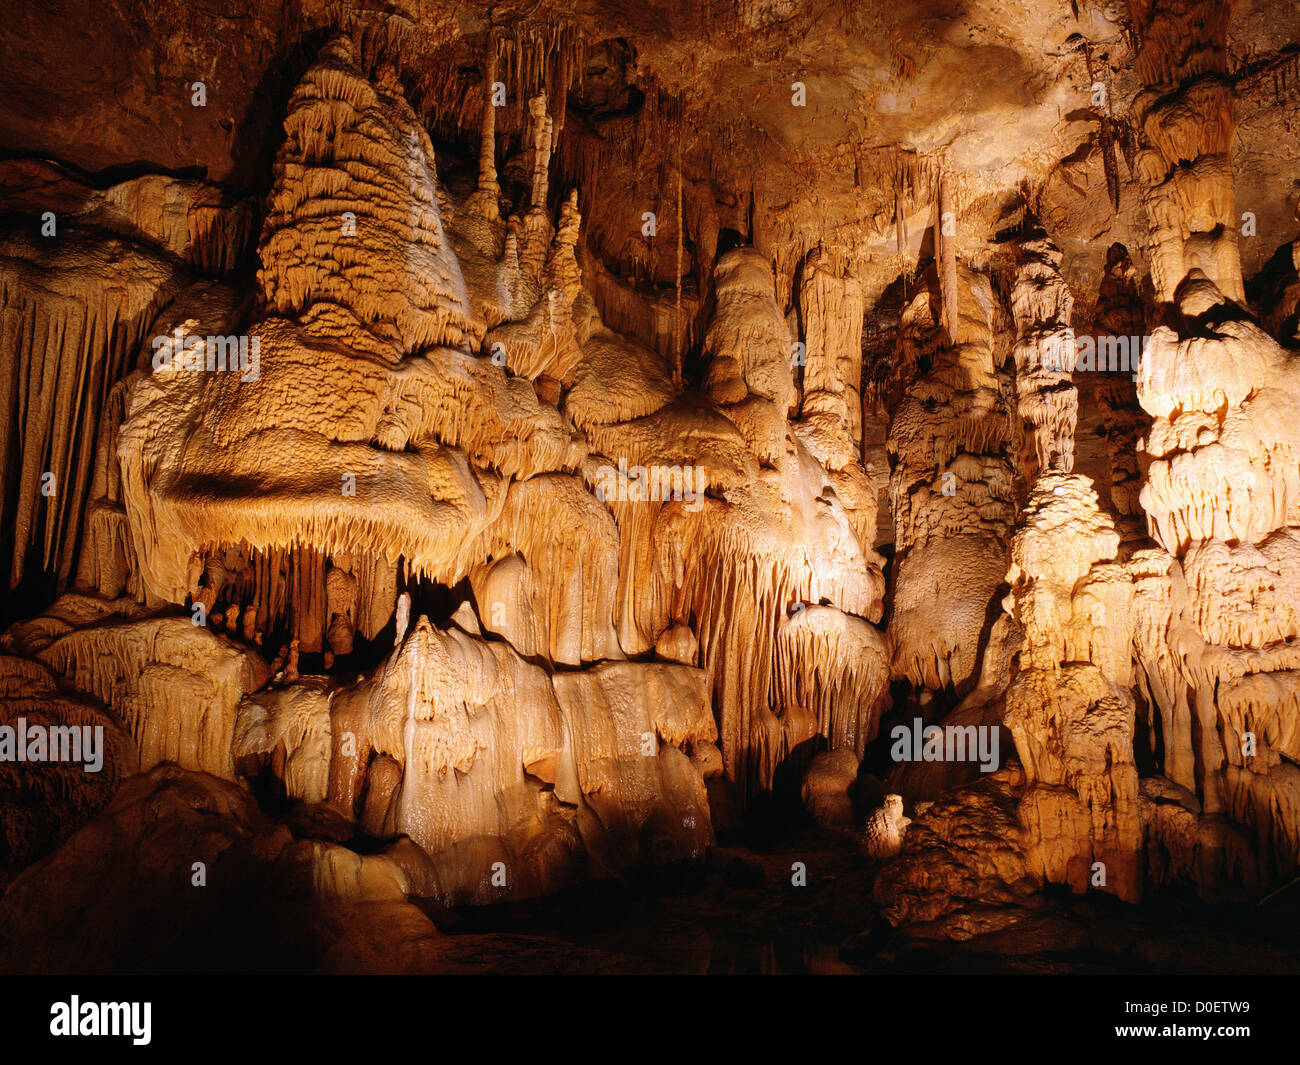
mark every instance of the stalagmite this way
{"type": "Point", "coordinates": [356, 184]}
{"type": "Point", "coordinates": [1070, 707]}
{"type": "Point", "coordinates": [886, 828]}
{"type": "Point", "coordinates": [946, 243]}
{"type": "Point", "coordinates": [485, 199]}
{"type": "Point", "coordinates": [970, 843]}
{"type": "Point", "coordinates": [403, 618]}
{"type": "Point", "coordinates": [541, 129]}
{"type": "Point", "coordinates": [297, 720]}
{"type": "Point", "coordinates": [548, 776]}
{"type": "Point", "coordinates": [828, 788]}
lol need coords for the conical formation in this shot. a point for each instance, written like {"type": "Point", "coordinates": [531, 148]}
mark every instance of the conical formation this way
{"type": "Point", "coordinates": [354, 218]}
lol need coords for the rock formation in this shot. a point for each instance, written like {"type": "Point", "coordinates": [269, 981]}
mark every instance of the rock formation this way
{"type": "Point", "coordinates": [488, 458]}
{"type": "Point", "coordinates": [886, 829]}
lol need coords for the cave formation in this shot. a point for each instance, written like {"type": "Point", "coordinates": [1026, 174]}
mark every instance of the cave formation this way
{"type": "Point", "coordinates": [457, 455]}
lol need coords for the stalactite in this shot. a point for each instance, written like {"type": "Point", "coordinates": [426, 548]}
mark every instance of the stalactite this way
{"type": "Point", "coordinates": [677, 281]}
{"type": "Point", "coordinates": [108, 562]}
{"type": "Point", "coordinates": [764, 669]}
{"type": "Point", "coordinates": [836, 666]}
{"type": "Point", "coordinates": [1105, 135]}
{"type": "Point", "coordinates": [69, 331]}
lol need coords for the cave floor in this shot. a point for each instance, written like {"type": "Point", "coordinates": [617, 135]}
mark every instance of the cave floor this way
{"type": "Point", "coordinates": [738, 912]}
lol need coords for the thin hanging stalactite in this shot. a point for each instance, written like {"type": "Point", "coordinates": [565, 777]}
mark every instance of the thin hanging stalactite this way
{"type": "Point", "coordinates": [677, 281]}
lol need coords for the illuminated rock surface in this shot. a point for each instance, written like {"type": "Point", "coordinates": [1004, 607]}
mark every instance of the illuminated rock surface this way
{"type": "Point", "coordinates": [463, 454]}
